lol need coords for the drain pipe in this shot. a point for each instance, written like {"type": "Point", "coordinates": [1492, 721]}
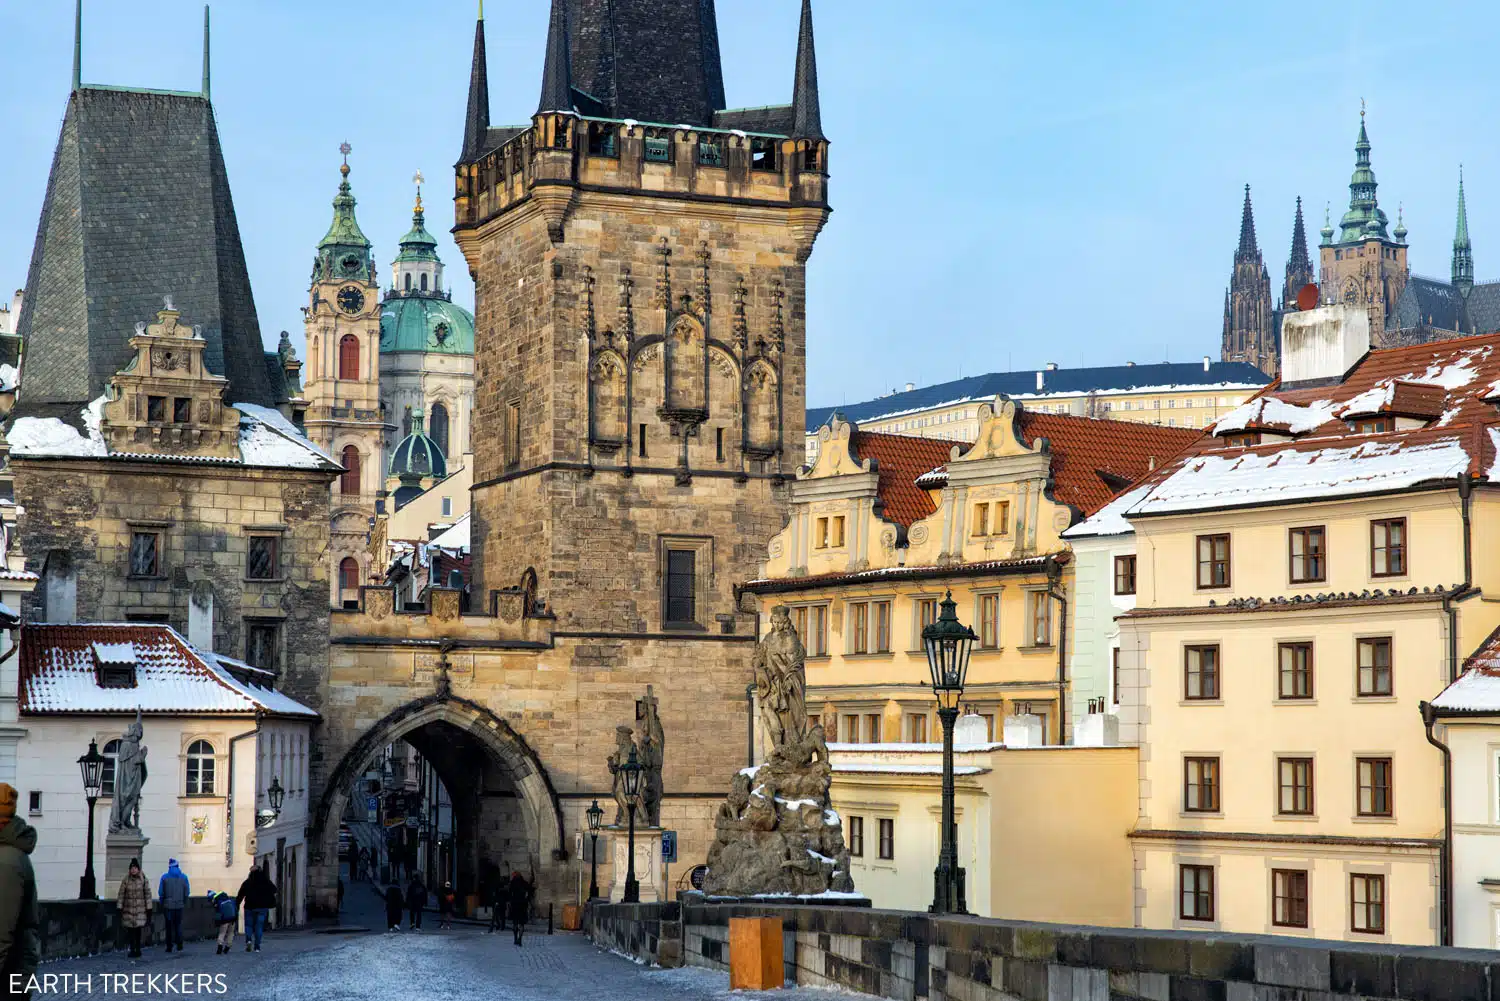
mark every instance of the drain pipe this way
{"type": "Point", "coordinates": [229, 798]}
{"type": "Point", "coordinates": [1054, 580]}
{"type": "Point", "coordinates": [1445, 861]}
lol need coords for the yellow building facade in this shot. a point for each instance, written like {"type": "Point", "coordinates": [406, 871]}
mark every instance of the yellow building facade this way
{"type": "Point", "coordinates": [1304, 580]}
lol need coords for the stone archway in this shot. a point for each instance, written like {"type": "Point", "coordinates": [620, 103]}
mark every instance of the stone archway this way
{"type": "Point", "coordinates": [454, 721]}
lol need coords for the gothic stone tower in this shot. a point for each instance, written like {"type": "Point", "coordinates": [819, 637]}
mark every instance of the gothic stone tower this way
{"type": "Point", "coordinates": [640, 379]}
{"type": "Point", "coordinates": [344, 418]}
{"type": "Point", "coordinates": [1299, 267]}
{"type": "Point", "coordinates": [1247, 303]}
{"type": "Point", "coordinates": [1366, 266]}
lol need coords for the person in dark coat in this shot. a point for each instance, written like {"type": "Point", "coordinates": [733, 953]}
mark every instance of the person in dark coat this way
{"type": "Point", "coordinates": [520, 903]}
{"type": "Point", "coordinates": [416, 900]}
{"type": "Point", "coordinates": [20, 918]}
{"type": "Point", "coordinates": [499, 900]}
{"type": "Point", "coordinates": [393, 904]}
{"type": "Point", "coordinates": [258, 894]}
{"type": "Point", "coordinates": [447, 901]}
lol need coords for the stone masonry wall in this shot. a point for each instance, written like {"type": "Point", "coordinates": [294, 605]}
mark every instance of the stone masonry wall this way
{"type": "Point", "coordinates": [903, 955]}
{"type": "Point", "coordinates": [72, 928]}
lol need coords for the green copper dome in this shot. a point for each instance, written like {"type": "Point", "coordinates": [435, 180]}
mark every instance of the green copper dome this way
{"type": "Point", "coordinates": [416, 322]}
{"type": "Point", "coordinates": [418, 455]}
{"type": "Point", "coordinates": [418, 244]}
{"type": "Point", "coordinates": [344, 252]}
{"type": "Point", "coordinates": [1364, 220]}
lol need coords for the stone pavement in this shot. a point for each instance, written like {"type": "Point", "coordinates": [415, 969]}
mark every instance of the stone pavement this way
{"type": "Point", "coordinates": [430, 965]}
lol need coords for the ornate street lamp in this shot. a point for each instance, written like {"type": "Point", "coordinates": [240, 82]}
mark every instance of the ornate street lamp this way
{"type": "Point", "coordinates": [275, 794]}
{"type": "Point", "coordinates": [631, 770]}
{"type": "Point", "coordinates": [948, 643]}
{"type": "Point", "coordinates": [91, 765]}
{"type": "Point", "coordinates": [596, 817]}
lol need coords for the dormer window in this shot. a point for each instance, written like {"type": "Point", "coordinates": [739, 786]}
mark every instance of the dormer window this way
{"type": "Point", "coordinates": [114, 665]}
{"type": "Point", "coordinates": [1372, 425]}
{"type": "Point", "coordinates": [763, 154]}
{"type": "Point", "coordinates": [1241, 440]}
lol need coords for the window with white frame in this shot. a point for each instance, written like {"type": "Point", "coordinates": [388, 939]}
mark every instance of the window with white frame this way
{"type": "Point", "coordinates": [200, 768]}
{"type": "Point", "coordinates": [987, 621]}
{"type": "Point", "coordinates": [811, 623]}
{"type": "Point", "coordinates": [869, 626]}
{"type": "Point", "coordinates": [1038, 618]}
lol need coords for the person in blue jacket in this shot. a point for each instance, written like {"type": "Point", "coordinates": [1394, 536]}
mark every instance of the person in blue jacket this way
{"type": "Point", "coordinates": [173, 891]}
{"type": "Point", "coordinates": [226, 915]}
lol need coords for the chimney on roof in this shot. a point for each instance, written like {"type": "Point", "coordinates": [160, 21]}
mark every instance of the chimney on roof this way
{"type": "Point", "coordinates": [1206, 363]}
{"type": "Point", "coordinates": [1130, 364]}
{"type": "Point", "coordinates": [1052, 366]}
{"type": "Point", "coordinates": [1041, 381]}
{"type": "Point", "coordinates": [910, 386]}
{"type": "Point", "coordinates": [1321, 345]}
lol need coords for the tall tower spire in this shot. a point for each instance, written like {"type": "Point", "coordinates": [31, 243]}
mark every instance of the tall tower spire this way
{"type": "Point", "coordinates": [807, 116]}
{"type": "Point", "coordinates": [1364, 220]}
{"type": "Point", "coordinates": [477, 121]}
{"type": "Point", "coordinates": [557, 72]}
{"type": "Point", "coordinates": [78, 46]}
{"type": "Point", "coordinates": [205, 52]}
{"type": "Point", "coordinates": [1247, 247]}
{"type": "Point", "coordinates": [1463, 250]}
{"type": "Point", "coordinates": [1299, 269]}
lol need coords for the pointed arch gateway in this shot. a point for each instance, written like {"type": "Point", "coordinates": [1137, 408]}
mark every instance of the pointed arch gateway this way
{"type": "Point", "coordinates": [472, 749]}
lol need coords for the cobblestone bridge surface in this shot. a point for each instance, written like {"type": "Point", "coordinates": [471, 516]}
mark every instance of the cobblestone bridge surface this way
{"type": "Point", "coordinates": [430, 965]}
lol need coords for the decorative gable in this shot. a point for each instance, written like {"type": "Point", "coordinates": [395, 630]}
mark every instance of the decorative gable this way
{"type": "Point", "coordinates": [166, 401]}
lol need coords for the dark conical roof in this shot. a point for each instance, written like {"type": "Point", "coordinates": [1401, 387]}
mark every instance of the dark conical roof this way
{"type": "Point", "coordinates": [1247, 247]}
{"type": "Point", "coordinates": [807, 117]}
{"type": "Point", "coordinates": [1300, 261]}
{"type": "Point", "coordinates": [137, 208]}
{"type": "Point", "coordinates": [557, 74]}
{"type": "Point", "coordinates": [477, 121]}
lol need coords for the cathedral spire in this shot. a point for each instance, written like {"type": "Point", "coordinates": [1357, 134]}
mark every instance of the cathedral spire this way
{"type": "Point", "coordinates": [1463, 250]}
{"type": "Point", "coordinates": [1299, 256]}
{"type": "Point", "coordinates": [477, 121]}
{"type": "Point", "coordinates": [1247, 248]}
{"type": "Point", "coordinates": [557, 73]}
{"type": "Point", "coordinates": [807, 117]}
{"type": "Point", "coordinates": [1364, 220]}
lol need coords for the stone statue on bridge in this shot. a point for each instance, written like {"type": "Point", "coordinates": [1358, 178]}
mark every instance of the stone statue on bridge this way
{"type": "Point", "coordinates": [777, 833]}
{"type": "Point", "coordinates": [650, 752]}
{"type": "Point", "coordinates": [130, 777]}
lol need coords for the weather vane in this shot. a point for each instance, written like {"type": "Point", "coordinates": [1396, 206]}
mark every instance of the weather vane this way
{"type": "Point", "coordinates": [345, 149]}
{"type": "Point", "coordinates": [1361, 107]}
{"type": "Point", "coordinates": [417, 179]}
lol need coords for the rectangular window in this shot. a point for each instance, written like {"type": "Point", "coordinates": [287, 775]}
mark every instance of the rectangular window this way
{"type": "Point", "coordinates": [1114, 672]}
{"type": "Point", "coordinates": [1308, 555]}
{"type": "Point", "coordinates": [1241, 440]}
{"type": "Point", "coordinates": [1200, 785]}
{"type": "Point", "coordinates": [1038, 618]}
{"type": "Point", "coordinates": [1197, 883]}
{"type": "Point", "coordinates": [916, 728]}
{"type": "Point", "coordinates": [513, 433]}
{"type": "Point", "coordinates": [1213, 561]}
{"type": "Point", "coordinates": [1124, 575]}
{"type": "Point", "coordinates": [34, 803]}
{"type": "Point", "coordinates": [263, 644]}
{"type": "Point", "coordinates": [682, 587]}
{"type": "Point", "coordinates": [182, 410]}
{"type": "Point", "coordinates": [447, 507]}
{"type": "Point", "coordinates": [887, 838]}
{"type": "Point", "coordinates": [658, 149]}
{"type": "Point", "coordinates": [1200, 672]}
{"type": "Point", "coordinates": [719, 444]}
{"type": "Point", "coordinates": [872, 728]}
{"type": "Point", "coordinates": [711, 152]}
{"type": "Point", "coordinates": [1367, 903]}
{"type": "Point", "coordinates": [981, 519]}
{"type": "Point", "coordinates": [869, 627]}
{"type": "Point", "coordinates": [1374, 776]}
{"type": "Point", "coordinates": [1295, 786]}
{"type": "Point", "coordinates": [1289, 898]}
{"type": "Point", "coordinates": [927, 613]}
{"type": "Point", "coordinates": [156, 409]}
{"type": "Point", "coordinates": [837, 531]}
{"type": "Point", "coordinates": [764, 154]}
{"type": "Point", "coordinates": [859, 627]}
{"type": "Point", "coordinates": [989, 621]}
{"type": "Point", "coordinates": [1000, 518]}
{"type": "Point", "coordinates": [1375, 666]}
{"type": "Point", "coordinates": [811, 623]}
{"type": "Point", "coordinates": [261, 561]}
{"type": "Point", "coordinates": [1295, 677]}
{"type": "Point", "coordinates": [145, 554]}
{"type": "Point", "coordinates": [1388, 547]}
{"type": "Point", "coordinates": [603, 140]}
{"type": "Point", "coordinates": [882, 616]}
{"type": "Point", "coordinates": [857, 837]}
{"type": "Point", "coordinates": [849, 728]}
{"type": "Point", "coordinates": [1372, 425]}
{"type": "Point", "coordinates": [641, 449]}
{"type": "Point", "coordinates": [820, 534]}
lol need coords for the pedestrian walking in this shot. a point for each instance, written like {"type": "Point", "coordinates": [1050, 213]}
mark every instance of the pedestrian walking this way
{"type": "Point", "coordinates": [173, 891]}
{"type": "Point", "coordinates": [364, 863]}
{"type": "Point", "coordinates": [226, 916]}
{"type": "Point", "coordinates": [258, 894]}
{"type": "Point", "coordinates": [20, 919]}
{"type": "Point", "coordinates": [416, 900]}
{"type": "Point", "coordinates": [520, 903]}
{"type": "Point", "coordinates": [499, 900]}
{"type": "Point", "coordinates": [134, 902]}
{"type": "Point", "coordinates": [394, 900]}
{"type": "Point", "coordinates": [341, 897]}
{"type": "Point", "coordinates": [446, 901]}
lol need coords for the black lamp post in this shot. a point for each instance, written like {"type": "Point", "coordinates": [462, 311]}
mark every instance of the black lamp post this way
{"type": "Point", "coordinates": [948, 643]}
{"type": "Point", "coordinates": [631, 770]}
{"type": "Point", "coordinates": [91, 765]}
{"type": "Point", "coordinates": [596, 817]}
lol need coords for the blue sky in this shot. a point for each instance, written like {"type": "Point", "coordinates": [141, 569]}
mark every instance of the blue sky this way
{"type": "Point", "coordinates": [1013, 182]}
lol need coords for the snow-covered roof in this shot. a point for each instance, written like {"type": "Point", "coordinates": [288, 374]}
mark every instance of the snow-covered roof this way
{"type": "Point", "coordinates": [456, 537]}
{"type": "Point", "coordinates": [267, 439]}
{"type": "Point", "coordinates": [1477, 690]}
{"type": "Point", "coordinates": [1110, 519]}
{"type": "Point", "coordinates": [58, 674]}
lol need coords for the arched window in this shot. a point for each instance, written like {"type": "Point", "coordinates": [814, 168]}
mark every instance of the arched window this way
{"type": "Point", "coordinates": [349, 482]}
{"type": "Point", "coordinates": [111, 755]}
{"type": "Point", "coordinates": [438, 432]}
{"type": "Point", "coordinates": [348, 574]}
{"type": "Point", "coordinates": [408, 281]}
{"type": "Point", "coordinates": [349, 357]}
{"type": "Point", "coordinates": [424, 281]}
{"type": "Point", "coordinates": [200, 768]}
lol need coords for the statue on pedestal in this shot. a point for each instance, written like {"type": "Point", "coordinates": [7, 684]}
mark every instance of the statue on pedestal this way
{"type": "Point", "coordinates": [130, 776]}
{"type": "Point", "coordinates": [623, 743]}
{"type": "Point", "coordinates": [650, 755]}
{"type": "Point", "coordinates": [781, 680]}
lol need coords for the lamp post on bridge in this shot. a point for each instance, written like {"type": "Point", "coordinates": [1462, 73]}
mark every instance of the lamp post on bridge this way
{"type": "Point", "coordinates": [596, 817]}
{"type": "Point", "coordinates": [632, 771]}
{"type": "Point", "coordinates": [91, 766]}
{"type": "Point", "coordinates": [948, 643]}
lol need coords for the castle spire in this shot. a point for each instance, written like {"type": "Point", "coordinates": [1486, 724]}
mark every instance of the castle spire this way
{"type": "Point", "coordinates": [344, 251]}
{"type": "Point", "coordinates": [1247, 248]}
{"type": "Point", "coordinates": [557, 74]}
{"type": "Point", "coordinates": [205, 52]}
{"type": "Point", "coordinates": [1364, 220]}
{"type": "Point", "coordinates": [807, 117]}
{"type": "Point", "coordinates": [1299, 243]}
{"type": "Point", "coordinates": [477, 121]}
{"type": "Point", "coordinates": [1463, 250]}
{"type": "Point", "coordinates": [78, 46]}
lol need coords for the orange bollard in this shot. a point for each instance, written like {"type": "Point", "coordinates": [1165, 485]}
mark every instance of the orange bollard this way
{"type": "Point", "coordinates": [755, 962]}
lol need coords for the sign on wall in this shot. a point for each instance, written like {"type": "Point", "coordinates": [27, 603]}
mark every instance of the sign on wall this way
{"type": "Point", "coordinates": [669, 847]}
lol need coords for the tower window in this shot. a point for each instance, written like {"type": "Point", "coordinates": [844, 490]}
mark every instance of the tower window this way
{"type": "Point", "coordinates": [408, 282]}
{"type": "Point", "coordinates": [641, 451]}
{"type": "Point", "coordinates": [764, 154]}
{"type": "Point", "coordinates": [439, 429]}
{"type": "Point", "coordinates": [513, 432]}
{"type": "Point", "coordinates": [182, 410]}
{"type": "Point", "coordinates": [262, 561]}
{"type": "Point", "coordinates": [349, 357]}
{"type": "Point", "coordinates": [658, 148]}
{"type": "Point", "coordinates": [424, 281]}
{"type": "Point", "coordinates": [603, 139]}
{"type": "Point", "coordinates": [156, 409]}
{"type": "Point", "coordinates": [348, 574]}
{"type": "Point", "coordinates": [719, 443]}
{"type": "Point", "coordinates": [349, 482]}
{"type": "Point", "coordinates": [711, 151]}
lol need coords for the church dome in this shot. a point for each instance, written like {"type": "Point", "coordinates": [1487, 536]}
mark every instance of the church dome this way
{"type": "Point", "coordinates": [425, 323]}
{"type": "Point", "coordinates": [417, 455]}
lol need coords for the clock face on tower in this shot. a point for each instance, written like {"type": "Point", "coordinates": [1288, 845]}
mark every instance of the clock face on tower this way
{"type": "Point", "coordinates": [351, 299]}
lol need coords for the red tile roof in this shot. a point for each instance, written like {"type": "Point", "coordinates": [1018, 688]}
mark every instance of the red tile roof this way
{"type": "Point", "coordinates": [900, 459]}
{"type": "Point", "coordinates": [1093, 459]}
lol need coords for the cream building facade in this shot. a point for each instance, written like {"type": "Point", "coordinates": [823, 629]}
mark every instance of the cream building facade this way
{"type": "Point", "coordinates": [1306, 577]}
